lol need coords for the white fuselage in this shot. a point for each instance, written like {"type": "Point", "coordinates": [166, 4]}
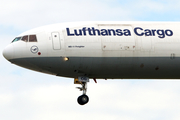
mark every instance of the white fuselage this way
{"type": "Point", "coordinates": [135, 50]}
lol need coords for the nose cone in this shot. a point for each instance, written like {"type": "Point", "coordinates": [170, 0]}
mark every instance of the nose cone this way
{"type": "Point", "coordinates": [8, 52]}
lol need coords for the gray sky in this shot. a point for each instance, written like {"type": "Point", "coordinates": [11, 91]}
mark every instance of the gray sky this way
{"type": "Point", "coordinates": [28, 95]}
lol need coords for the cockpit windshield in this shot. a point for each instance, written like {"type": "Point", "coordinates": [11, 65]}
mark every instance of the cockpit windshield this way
{"type": "Point", "coordinates": [16, 39]}
{"type": "Point", "coordinates": [26, 38]}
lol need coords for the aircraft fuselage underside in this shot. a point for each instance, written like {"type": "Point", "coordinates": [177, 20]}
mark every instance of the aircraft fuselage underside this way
{"type": "Point", "coordinates": [105, 67]}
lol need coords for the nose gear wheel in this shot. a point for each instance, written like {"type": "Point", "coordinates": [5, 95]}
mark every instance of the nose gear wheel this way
{"type": "Point", "coordinates": [83, 99]}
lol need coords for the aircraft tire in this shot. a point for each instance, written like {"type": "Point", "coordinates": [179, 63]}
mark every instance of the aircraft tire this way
{"type": "Point", "coordinates": [83, 99]}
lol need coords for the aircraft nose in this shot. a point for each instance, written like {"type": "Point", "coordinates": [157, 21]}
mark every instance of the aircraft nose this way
{"type": "Point", "coordinates": [8, 52]}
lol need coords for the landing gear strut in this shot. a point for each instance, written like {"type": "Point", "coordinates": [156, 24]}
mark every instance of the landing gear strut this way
{"type": "Point", "coordinates": [83, 99]}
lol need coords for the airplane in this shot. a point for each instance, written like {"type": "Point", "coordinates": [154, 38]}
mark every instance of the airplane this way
{"type": "Point", "coordinates": [100, 50]}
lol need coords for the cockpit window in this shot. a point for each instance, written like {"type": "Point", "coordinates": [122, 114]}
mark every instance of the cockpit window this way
{"type": "Point", "coordinates": [16, 39]}
{"type": "Point", "coordinates": [32, 38]}
{"type": "Point", "coordinates": [25, 38]}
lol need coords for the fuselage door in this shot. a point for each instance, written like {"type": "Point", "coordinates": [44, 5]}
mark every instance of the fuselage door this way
{"type": "Point", "coordinates": [56, 41]}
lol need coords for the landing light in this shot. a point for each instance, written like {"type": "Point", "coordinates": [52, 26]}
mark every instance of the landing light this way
{"type": "Point", "coordinates": [66, 58]}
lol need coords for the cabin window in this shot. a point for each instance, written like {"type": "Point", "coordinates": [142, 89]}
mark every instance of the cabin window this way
{"type": "Point", "coordinates": [32, 38]}
{"type": "Point", "coordinates": [25, 38]}
{"type": "Point", "coordinates": [16, 39]}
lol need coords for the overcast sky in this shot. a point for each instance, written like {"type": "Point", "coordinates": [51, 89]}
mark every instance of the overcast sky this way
{"type": "Point", "coordinates": [28, 95]}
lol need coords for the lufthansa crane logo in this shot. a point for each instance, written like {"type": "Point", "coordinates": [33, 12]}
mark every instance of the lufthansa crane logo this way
{"type": "Point", "coordinates": [34, 49]}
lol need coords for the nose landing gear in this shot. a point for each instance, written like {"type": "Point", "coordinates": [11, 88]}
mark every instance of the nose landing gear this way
{"type": "Point", "coordinates": [83, 99]}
